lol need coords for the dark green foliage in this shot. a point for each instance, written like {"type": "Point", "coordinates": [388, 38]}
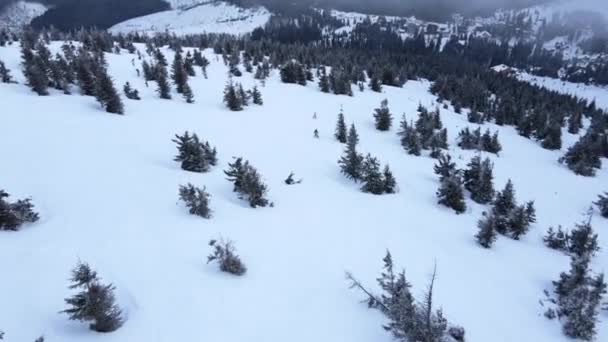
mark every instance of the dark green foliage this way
{"type": "Point", "coordinates": [450, 193]}
{"type": "Point", "coordinates": [178, 73]}
{"type": "Point", "coordinates": [575, 123]}
{"type": "Point", "coordinates": [518, 222]}
{"type": "Point", "coordinates": [14, 215]}
{"type": "Point", "coordinates": [324, 82]}
{"type": "Point", "coordinates": [488, 142]}
{"type": "Point", "coordinates": [583, 157]}
{"type": "Point", "coordinates": [372, 178]}
{"type": "Point", "coordinates": [383, 117]}
{"type": "Point", "coordinates": [224, 253]}
{"type": "Point", "coordinates": [410, 140]}
{"type": "Point", "coordinates": [197, 200]}
{"type": "Point", "coordinates": [478, 179]}
{"type": "Point", "coordinates": [341, 131]}
{"type": "Point", "coordinates": [503, 205]}
{"type": "Point", "coordinates": [293, 72]}
{"type": "Point", "coordinates": [602, 204]}
{"type": "Point", "coordinates": [34, 70]}
{"type": "Point", "coordinates": [130, 93]}
{"type": "Point", "coordinates": [95, 302]}
{"type": "Point", "coordinates": [553, 137]}
{"type": "Point", "coordinates": [161, 77]}
{"type": "Point", "coordinates": [408, 320]}
{"type": "Point", "coordinates": [256, 96]}
{"type": "Point", "coordinates": [107, 95]}
{"type": "Point", "coordinates": [557, 239]}
{"type": "Point", "coordinates": [445, 168]}
{"type": "Point", "coordinates": [194, 155]}
{"type": "Point", "coordinates": [351, 163]}
{"type": "Point", "coordinates": [247, 183]}
{"type": "Point", "coordinates": [375, 84]}
{"type": "Point", "coordinates": [487, 233]}
{"type": "Point", "coordinates": [390, 183]}
{"type": "Point", "coordinates": [232, 98]}
{"type": "Point", "coordinates": [187, 93]}
{"type": "Point", "coordinates": [5, 74]}
{"type": "Point", "coordinates": [579, 295]}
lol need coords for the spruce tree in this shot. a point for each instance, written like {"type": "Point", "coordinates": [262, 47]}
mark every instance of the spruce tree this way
{"type": "Point", "coordinates": [583, 157]}
{"type": "Point", "coordinates": [107, 95]}
{"type": "Point", "coordinates": [164, 89]}
{"type": "Point", "coordinates": [390, 183]}
{"type": "Point", "coordinates": [5, 74]}
{"type": "Point", "coordinates": [247, 183]}
{"type": "Point", "coordinates": [602, 204]}
{"type": "Point", "coordinates": [130, 93]}
{"type": "Point", "coordinates": [582, 240]}
{"type": "Point", "coordinates": [341, 131]}
{"type": "Point", "coordinates": [232, 99]}
{"type": "Point", "coordinates": [478, 180]}
{"type": "Point", "coordinates": [487, 233]}
{"type": "Point", "coordinates": [196, 199]}
{"type": "Point", "coordinates": [324, 83]}
{"type": "Point", "coordinates": [450, 193]}
{"type": "Point", "coordinates": [14, 215]}
{"type": "Point", "coordinates": [194, 155]}
{"type": "Point", "coordinates": [410, 140]}
{"type": "Point", "coordinates": [557, 239]}
{"type": "Point", "coordinates": [95, 302]}
{"type": "Point", "coordinates": [371, 176]}
{"type": "Point", "coordinates": [351, 163]}
{"type": "Point", "coordinates": [503, 205]}
{"type": "Point", "coordinates": [445, 168]}
{"type": "Point", "coordinates": [384, 119]}
{"type": "Point", "coordinates": [575, 123]}
{"type": "Point", "coordinates": [256, 96]}
{"type": "Point", "coordinates": [187, 93]}
{"type": "Point", "coordinates": [518, 222]}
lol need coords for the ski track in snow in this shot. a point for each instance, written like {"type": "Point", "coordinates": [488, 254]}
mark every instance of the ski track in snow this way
{"type": "Point", "coordinates": [106, 189]}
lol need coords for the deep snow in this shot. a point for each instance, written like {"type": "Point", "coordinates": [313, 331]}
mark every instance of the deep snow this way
{"type": "Point", "coordinates": [106, 188]}
{"type": "Point", "coordinates": [190, 17]}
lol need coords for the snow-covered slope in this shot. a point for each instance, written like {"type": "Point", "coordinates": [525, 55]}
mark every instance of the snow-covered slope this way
{"type": "Point", "coordinates": [20, 13]}
{"type": "Point", "coordinates": [106, 188]}
{"type": "Point", "coordinates": [190, 16]}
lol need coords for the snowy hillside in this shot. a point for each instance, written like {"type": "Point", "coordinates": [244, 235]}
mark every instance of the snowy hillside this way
{"type": "Point", "coordinates": [189, 17]}
{"type": "Point", "coordinates": [20, 13]}
{"type": "Point", "coordinates": [106, 189]}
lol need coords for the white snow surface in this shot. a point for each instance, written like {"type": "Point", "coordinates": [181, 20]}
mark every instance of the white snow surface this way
{"type": "Point", "coordinates": [191, 17]}
{"type": "Point", "coordinates": [106, 189]}
{"type": "Point", "coordinates": [20, 13]}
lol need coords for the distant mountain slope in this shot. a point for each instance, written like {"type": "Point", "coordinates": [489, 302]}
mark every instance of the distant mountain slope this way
{"type": "Point", "coordinates": [74, 14]}
{"type": "Point", "coordinates": [20, 13]}
{"type": "Point", "coordinates": [191, 16]}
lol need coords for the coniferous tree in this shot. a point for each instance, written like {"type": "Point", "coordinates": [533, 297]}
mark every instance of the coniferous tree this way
{"type": "Point", "coordinates": [487, 233]}
{"type": "Point", "coordinates": [196, 199]}
{"type": "Point", "coordinates": [5, 74]}
{"type": "Point", "coordinates": [130, 93]}
{"type": "Point", "coordinates": [178, 73]}
{"type": "Point", "coordinates": [341, 131]}
{"type": "Point", "coordinates": [14, 215]}
{"type": "Point", "coordinates": [371, 176]}
{"type": "Point", "coordinates": [445, 168]}
{"type": "Point", "coordinates": [450, 193]}
{"type": "Point", "coordinates": [243, 96]}
{"type": "Point", "coordinates": [256, 96]}
{"type": "Point", "coordinates": [583, 157]}
{"type": "Point", "coordinates": [194, 155]}
{"type": "Point", "coordinates": [107, 95]}
{"type": "Point", "coordinates": [390, 183]}
{"type": "Point", "coordinates": [34, 70]}
{"type": "Point", "coordinates": [247, 183]}
{"type": "Point", "coordinates": [478, 179]}
{"type": "Point", "coordinates": [164, 89]}
{"type": "Point", "coordinates": [351, 163]}
{"type": "Point", "coordinates": [553, 137]}
{"type": "Point", "coordinates": [375, 84]}
{"type": "Point", "coordinates": [224, 253]}
{"type": "Point", "coordinates": [602, 204]}
{"type": "Point", "coordinates": [503, 205]}
{"type": "Point", "coordinates": [84, 73]}
{"type": "Point", "coordinates": [324, 83]}
{"type": "Point", "coordinates": [384, 119]}
{"type": "Point", "coordinates": [557, 239]}
{"type": "Point", "coordinates": [410, 140]}
{"type": "Point", "coordinates": [582, 240]}
{"type": "Point", "coordinates": [518, 222]}
{"type": "Point", "coordinates": [187, 93]}
{"type": "Point", "coordinates": [95, 303]}
{"type": "Point", "coordinates": [232, 99]}
{"type": "Point", "coordinates": [575, 123]}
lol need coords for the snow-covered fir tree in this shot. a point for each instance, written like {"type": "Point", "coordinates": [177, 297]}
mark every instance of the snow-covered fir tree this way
{"type": "Point", "coordinates": [196, 199]}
